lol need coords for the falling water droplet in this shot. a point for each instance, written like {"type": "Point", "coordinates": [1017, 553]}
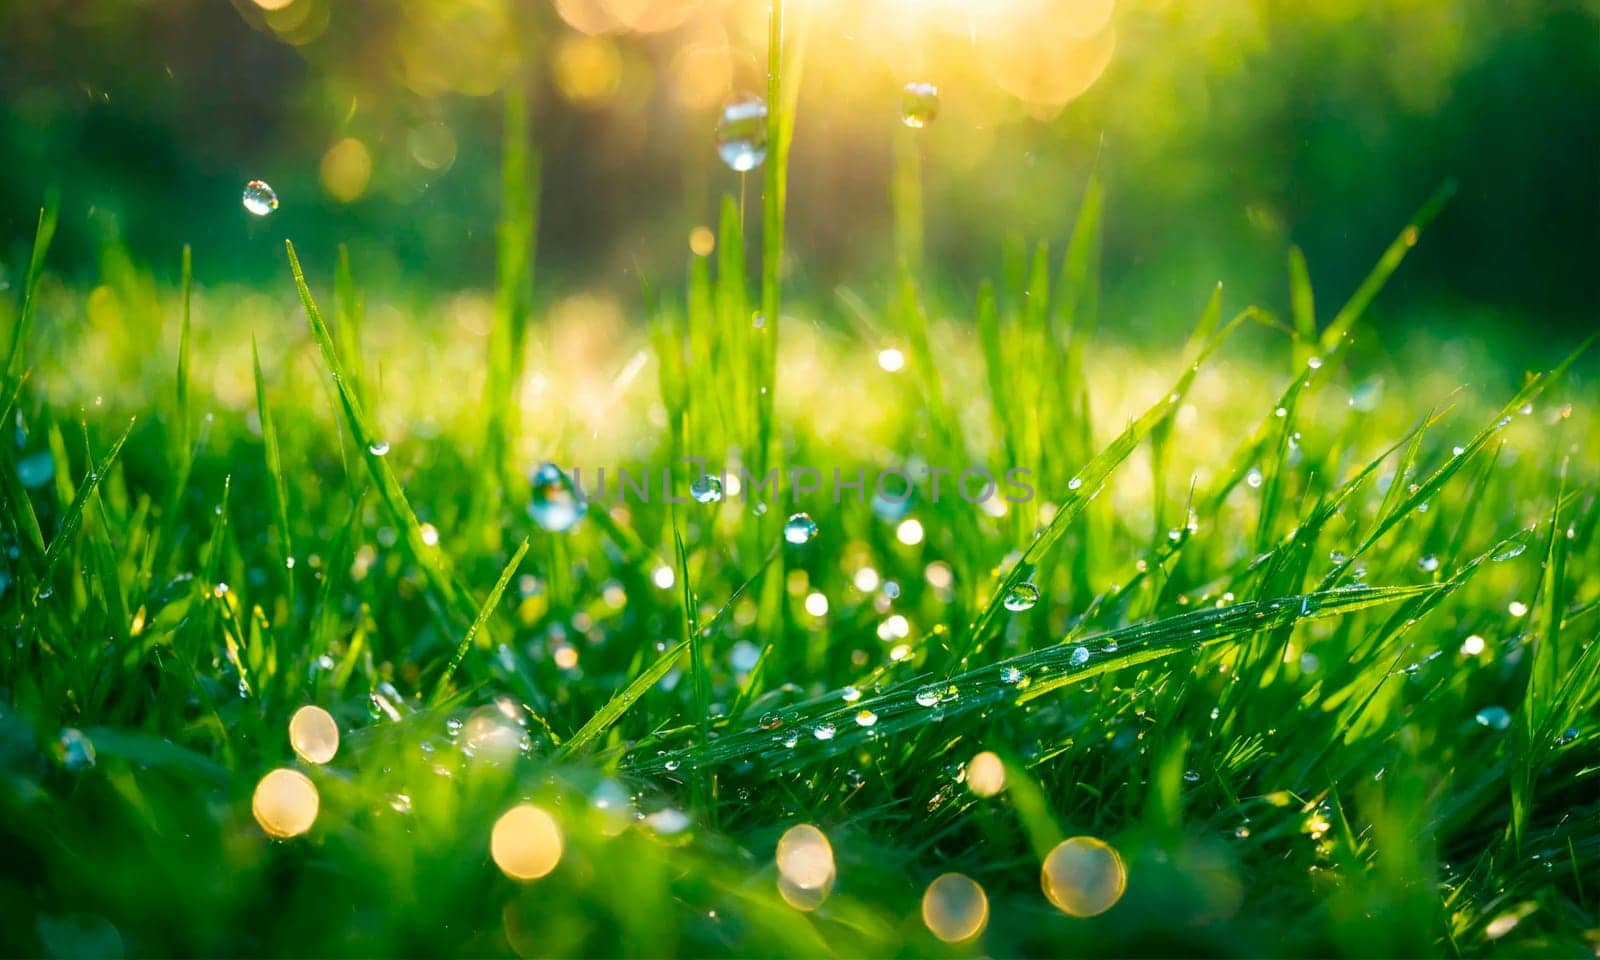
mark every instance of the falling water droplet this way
{"type": "Point", "coordinates": [259, 198]}
{"type": "Point", "coordinates": [1021, 596]}
{"type": "Point", "coordinates": [919, 105]}
{"type": "Point", "coordinates": [742, 132]}
{"type": "Point", "coordinates": [800, 529]}
{"type": "Point", "coordinates": [554, 506]}
{"type": "Point", "coordinates": [707, 489]}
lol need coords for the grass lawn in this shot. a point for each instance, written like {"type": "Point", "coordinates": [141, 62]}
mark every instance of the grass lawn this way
{"type": "Point", "coordinates": [1290, 650]}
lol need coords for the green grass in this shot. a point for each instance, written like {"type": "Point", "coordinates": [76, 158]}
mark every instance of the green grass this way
{"type": "Point", "coordinates": [1245, 672]}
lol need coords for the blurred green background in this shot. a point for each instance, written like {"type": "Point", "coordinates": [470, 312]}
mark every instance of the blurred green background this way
{"type": "Point", "coordinates": [1227, 130]}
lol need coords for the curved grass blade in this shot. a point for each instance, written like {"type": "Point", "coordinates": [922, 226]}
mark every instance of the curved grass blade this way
{"type": "Point", "coordinates": [484, 612]}
{"type": "Point", "coordinates": [917, 702]}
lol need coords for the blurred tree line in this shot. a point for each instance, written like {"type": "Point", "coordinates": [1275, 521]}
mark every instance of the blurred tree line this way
{"type": "Point", "coordinates": [1226, 130]}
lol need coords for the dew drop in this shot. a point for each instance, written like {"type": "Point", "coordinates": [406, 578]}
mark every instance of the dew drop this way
{"type": "Point", "coordinates": [866, 718]}
{"type": "Point", "coordinates": [1079, 657]}
{"type": "Point", "coordinates": [1497, 718]}
{"type": "Point", "coordinates": [1021, 596]}
{"type": "Point", "coordinates": [850, 694]}
{"type": "Point", "coordinates": [800, 529]}
{"type": "Point", "coordinates": [74, 750]}
{"type": "Point", "coordinates": [554, 506]}
{"type": "Point", "coordinates": [1428, 564]}
{"type": "Point", "coordinates": [919, 105]}
{"type": "Point", "coordinates": [707, 489]}
{"type": "Point", "coordinates": [1010, 675]}
{"type": "Point", "coordinates": [379, 448]}
{"type": "Point", "coordinates": [742, 132]}
{"type": "Point", "coordinates": [1511, 552]}
{"type": "Point", "coordinates": [927, 696]}
{"type": "Point", "coordinates": [824, 730]}
{"type": "Point", "coordinates": [259, 198]}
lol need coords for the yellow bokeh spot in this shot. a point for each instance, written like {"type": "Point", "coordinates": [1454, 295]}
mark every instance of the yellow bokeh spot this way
{"type": "Point", "coordinates": [1083, 877]}
{"type": "Point", "coordinates": [650, 16]}
{"type": "Point", "coordinates": [586, 16]}
{"type": "Point", "coordinates": [805, 857]}
{"type": "Point", "coordinates": [566, 657]}
{"type": "Point", "coordinates": [273, 4]}
{"type": "Point", "coordinates": [346, 170]}
{"type": "Point", "coordinates": [526, 842]}
{"type": "Point", "coordinates": [702, 241]}
{"type": "Point", "coordinates": [986, 774]}
{"type": "Point", "coordinates": [313, 734]}
{"type": "Point", "coordinates": [285, 803]}
{"type": "Point", "coordinates": [955, 908]}
{"type": "Point", "coordinates": [588, 69]}
{"type": "Point", "coordinates": [702, 75]}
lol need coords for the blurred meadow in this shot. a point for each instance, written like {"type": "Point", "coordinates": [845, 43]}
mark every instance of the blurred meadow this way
{"type": "Point", "coordinates": [316, 641]}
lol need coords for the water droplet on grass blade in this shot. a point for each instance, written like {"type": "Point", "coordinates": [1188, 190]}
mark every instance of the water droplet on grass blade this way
{"type": "Point", "coordinates": [800, 529]}
{"type": "Point", "coordinates": [919, 104]}
{"type": "Point", "coordinates": [378, 448]}
{"type": "Point", "coordinates": [707, 489]}
{"type": "Point", "coordinates": [927, 696]}
{"type": "Point", "coordinates": [1020, 597]}
{"type": "Point", "coordinates": [259, 198]}
{"type": "Point", "coordinates": [1080, 656]}
{"type": "Point", "coordinates": [1511, 552]}
{"type": "Point", "coordinates": [554, 506]}
{"type": "Point", "coordinates": [742, 132]}
{"type": "Point", "coordinates": [824, 730]}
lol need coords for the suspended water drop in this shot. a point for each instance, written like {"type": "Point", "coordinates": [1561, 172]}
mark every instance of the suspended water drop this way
{"type": "Point", "coordinates": [259, 198]}
{"type": "Point", "coordinates": [742, 132]}
{"type": "Point", "coordinates": [74, 751]}
{"type": "Point", "coordinates": [378, 448]}
{"type": "Point", "coordinates": [800, 529]}
{"type": "Point", "coordinates": [1497, 718]}
{"type": "Point", "coordinates": [919, 105]}
{"type": "Point", "coordinates": [1080, 656]}
{"type": "Point", "coordinates": [1021, 596]}
{"type": "Point", "coordinates": [707, 489]}
{"type": "Point", "coordinates": [554, 506]}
